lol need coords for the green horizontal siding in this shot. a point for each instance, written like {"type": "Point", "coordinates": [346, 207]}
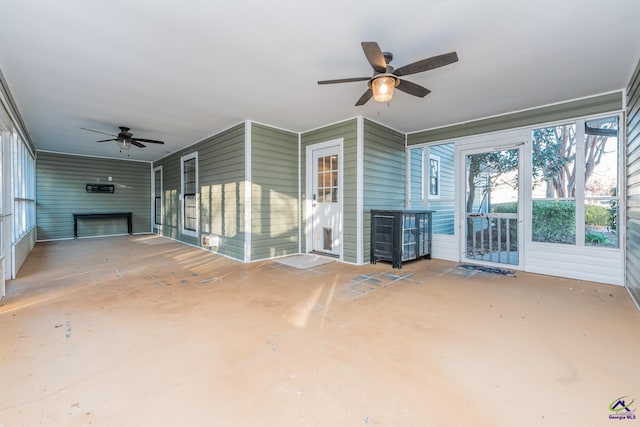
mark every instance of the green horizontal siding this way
{"type": "Point", "coordinates": [567, 110]}
{"type": "Point", "coordinates": [416, 183]}
{"type": "Point", "coordinates": [274, 192]}
{"type": "Point", "coordinates": [633, 187]}
{"type": "Point", "coordinates": [60, 191]}
{"type": "Point", "coordinates": [384, 174]}
{"type": "Point", "coordinates": [346, 130]}
{"type": "Point", "coordinates": [443, 205]}
{"type": "Point", "coordinates": [170, 226]}
{"type": "Point", "coordinates": [444, 216]}
{"type": "Point", "coordinates": [221, 176]}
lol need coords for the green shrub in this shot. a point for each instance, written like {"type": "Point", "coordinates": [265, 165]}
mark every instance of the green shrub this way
{"type": "Point", "coordinates": [592, 238]}
{"type": "Point", "coordinates": [596, 215]}
{"type": "Point", "coordinates": [554, 221]}
{"type": "Point", "coordinates": [510, 207]}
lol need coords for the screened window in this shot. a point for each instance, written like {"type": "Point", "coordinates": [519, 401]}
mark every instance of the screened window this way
{"type": "Point", "coordinates": [575, 174]}
{"type": "Point", "coordinates": [189, 194]}
{"type": "Point", "coordinates": [601, 152]}
{"type": "Point", "coordinates": [24, 192]}
{"type": "Point", "coordinates": [554, 192]}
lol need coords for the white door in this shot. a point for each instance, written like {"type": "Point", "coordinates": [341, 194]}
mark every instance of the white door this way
{"type": "Point", "coordinates": [326, 200]}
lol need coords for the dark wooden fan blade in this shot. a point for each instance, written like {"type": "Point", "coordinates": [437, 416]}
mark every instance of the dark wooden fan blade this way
{"type": "Point", "coordinates": [427, 64]}
{"type": "Point", "coordinates": [365, 97]}
{"type": "Point", "coordinates": [374, 56]}
{"type": "Point", "coordinates": [136, 143]}
{"type": "Point", "coordinates": [413, 89]}
{"type": "Point", "coordinates": [351, 79]}
{"type": "Point", "coordinates": [106, 140]}
{"type": "Point", "coordinates": [152, 141]}
{"type": "Point", "coordinates": [97, 131]}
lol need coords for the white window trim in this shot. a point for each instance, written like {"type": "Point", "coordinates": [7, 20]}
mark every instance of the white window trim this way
{"type": "Point", "coordinates": [182, 229]}
{"type": "Point", "coordinates": [153, 205]}
{"type": "Point", "coordinates": [23, 191]}
{"type": "Point", "coordinates": [579, 200]}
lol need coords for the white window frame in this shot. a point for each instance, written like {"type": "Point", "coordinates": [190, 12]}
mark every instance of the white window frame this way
{"type": "Point", "coordinates": [184, 231]}
{"type": "Point", "coordinates": [3, 192]}
{"type": "Point", "coordinates": [580, 198]}
{"type": "Point", "coordinates": [155, 196]}
{"type": "Point", "coordinates": [23, 187]}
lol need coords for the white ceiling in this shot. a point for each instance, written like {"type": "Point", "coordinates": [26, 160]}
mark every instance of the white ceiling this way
{"type": "Point", "coordinates": [182, 71]}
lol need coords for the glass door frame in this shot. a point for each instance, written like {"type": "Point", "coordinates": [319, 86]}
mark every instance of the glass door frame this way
{"type": "Point", "coordinates": [484, 144]}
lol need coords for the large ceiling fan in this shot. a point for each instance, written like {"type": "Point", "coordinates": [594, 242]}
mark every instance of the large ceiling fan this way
{"type": "Point", "coordinates": [385, 78]}
{"type": "Point", "coordinates": [125, 138]}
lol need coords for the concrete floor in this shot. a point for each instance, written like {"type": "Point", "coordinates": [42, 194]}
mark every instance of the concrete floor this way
{"type": "Point", "coordinates": [144, 331]}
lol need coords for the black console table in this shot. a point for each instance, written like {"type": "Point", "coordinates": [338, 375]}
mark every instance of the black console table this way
{"type": "Point", "coordinates": [101, 216]}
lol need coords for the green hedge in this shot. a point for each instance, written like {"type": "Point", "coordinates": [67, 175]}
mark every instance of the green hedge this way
{"type": "Point", "coordinates": [554, 221]}
{"type": "Point", "coordinates": [596, 215]}
{"type": "Point", "coordinates": [511, 207]}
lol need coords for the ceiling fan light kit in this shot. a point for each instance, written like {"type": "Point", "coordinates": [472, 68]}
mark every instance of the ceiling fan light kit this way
{"type": "Point", "coordinates": [124, 144]}
{"type": "Point", "coordinates": [385, 78]}
{"type": "Point", "coordinates": [383, 87]}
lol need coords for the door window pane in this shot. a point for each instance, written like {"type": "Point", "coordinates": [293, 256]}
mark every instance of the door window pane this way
{"type": "Point", "coordinates": [327, 179]}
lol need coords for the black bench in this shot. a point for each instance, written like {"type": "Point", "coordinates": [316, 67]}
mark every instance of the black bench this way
{"type": "Point", "coordinates": [101, 216]}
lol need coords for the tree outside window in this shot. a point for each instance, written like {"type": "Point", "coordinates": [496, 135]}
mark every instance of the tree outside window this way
{"type": "Point", "coordinates": [555, 169]}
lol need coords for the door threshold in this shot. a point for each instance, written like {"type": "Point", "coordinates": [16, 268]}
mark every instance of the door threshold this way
{"type": "Point", "coordinates": [330, 255]}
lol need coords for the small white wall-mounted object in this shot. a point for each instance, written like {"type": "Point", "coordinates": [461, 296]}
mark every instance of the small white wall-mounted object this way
{"type": "Point", "coordinates": [210, 241]}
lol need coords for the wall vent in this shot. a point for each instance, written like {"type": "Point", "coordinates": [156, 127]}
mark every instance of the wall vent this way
{"type": "Point", "coordinates": [210, 241]}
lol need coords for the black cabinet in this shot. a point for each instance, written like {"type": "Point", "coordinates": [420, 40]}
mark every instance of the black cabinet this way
{"type": "Point", "coordinates": [400, 235]}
